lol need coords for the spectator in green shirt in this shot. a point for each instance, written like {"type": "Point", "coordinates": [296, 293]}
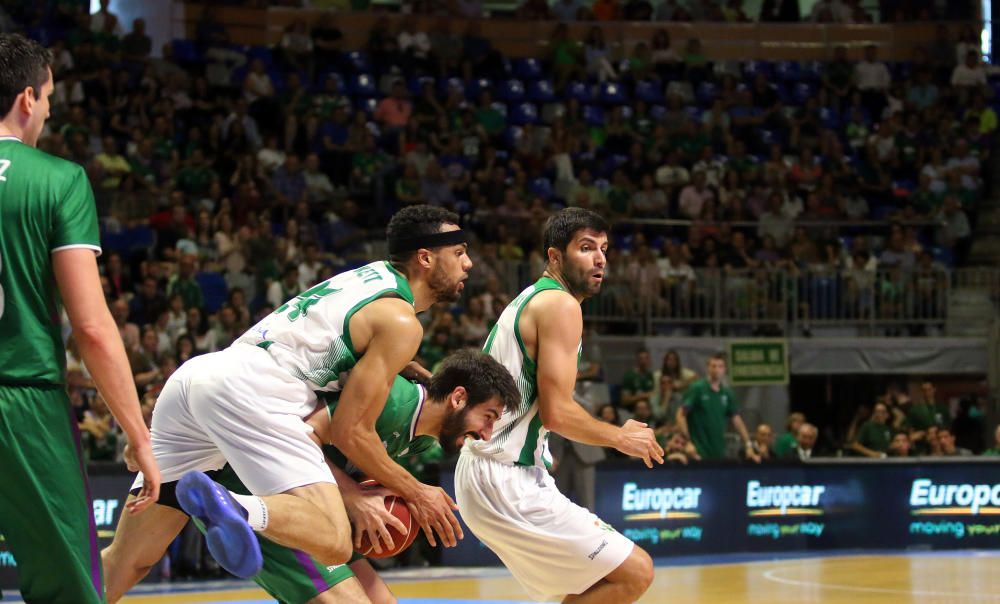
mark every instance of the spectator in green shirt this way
{"type": "Point", "coordinates": [994, 451]}
{"type": "Point", "coordinates": [638, 383]}
{"type": "Point", "coordinates": [875, 435]}
{"type": "Point", "coordinates": [707, 405]}
{"type": "Point", "coordinates": [788, 441]}
{"type": "Point", "coordinates": [184, 283]}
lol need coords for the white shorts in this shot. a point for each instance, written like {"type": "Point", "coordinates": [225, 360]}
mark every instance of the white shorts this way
{"type": "Point", "coordinates": [237, 406]}
{"type": "Point", "coordinates": [553, 547]}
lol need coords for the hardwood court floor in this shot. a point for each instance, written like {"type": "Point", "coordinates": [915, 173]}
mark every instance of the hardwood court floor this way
{"type": "Point", "coordinates": [858, 579]}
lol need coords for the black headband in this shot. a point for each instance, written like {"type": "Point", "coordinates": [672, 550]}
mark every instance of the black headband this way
{"type": "Point", "coordinates": [398, 245]}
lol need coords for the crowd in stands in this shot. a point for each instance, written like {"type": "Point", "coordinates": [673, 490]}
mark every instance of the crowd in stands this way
{"type": "Point", "coordinates": [896, 425]}
{"type": "Point", "coordinates": [228, 178]}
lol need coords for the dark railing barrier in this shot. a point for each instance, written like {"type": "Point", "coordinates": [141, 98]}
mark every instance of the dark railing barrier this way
{"type": "Point", "coordinates": [826, 504]}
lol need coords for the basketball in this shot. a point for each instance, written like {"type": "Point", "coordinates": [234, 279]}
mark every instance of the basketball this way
{"type": "Point", "coordinates": [396, 506]}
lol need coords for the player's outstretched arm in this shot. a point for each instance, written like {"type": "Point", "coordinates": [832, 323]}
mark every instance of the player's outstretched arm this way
{"type": "Point", "coordinates": [393, 337]}
{"type": "Point", "coordinates": [558, 323]}
{"type": "Point", "coordinates": [104, 353]}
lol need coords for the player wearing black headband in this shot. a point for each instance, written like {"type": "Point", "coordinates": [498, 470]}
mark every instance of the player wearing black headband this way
{"type": "Point", "coordinates": [244, 405]}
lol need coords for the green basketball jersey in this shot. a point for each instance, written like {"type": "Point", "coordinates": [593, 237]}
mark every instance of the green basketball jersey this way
{"type": "Point", "coordinates": [519, 437]}
{"type": "Point", "coordinates": [46, 205]}
{"type": "Point", "coordinates": [310, 335]}
{"type": "Point", "coordinates": [396, 426]}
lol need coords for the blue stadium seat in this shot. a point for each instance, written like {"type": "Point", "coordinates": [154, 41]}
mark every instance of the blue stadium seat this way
{"type": "Point", "coordinates": [477, 86]}
{"type": "Point", "coordinates": [787, 71]}
{"type": "Point", "coordinates": [445, 84]}
{"type": "Point", "coordinates": [593, 115]}
{"type": "Point", "coordinates": [706, 93]}
{"type": "Point", "coordinates": [524, 113]}
{"type": "Point", "coordinates": [511, 91]}
{"type": "Point", "coordinates": [650, 92]}
{"type": "Point", "coordinates": [541, 187]}
{"type": "Point", "coordinates": [416, 85]}
{"type": "Point", "coordinates": [611, 93]}
{"type": "Point", "coordinates": [627, 112]}
{"type": "Point", "coordinates": [366, 104]}
{"type": "Point", "coordinates": [657, 112]}
{"type": "Point", "coordinates": [752, 68]}
{"type": "Point", "coordinates": [580, 91]}
{"type": "Point", "coordinates": [812, 71]}
{"type": "Point", "coordinates": [261, 52]}
{"type": "Point", "coordinates": [526, 69]}
{"type": "Point", "coordinates": [943, 255]}
{"type": "Point", "coordinates": [359, 61]}
{"type": "Point", "coordinates": [541, 91]}
{"type": "Point", "coordinates": [501, 108]}
{"type": "Point", "coordinates": [186, 51]}
{"type": "Point", "coordinates": [213, 290]}
{"type": "Point", "coordinates": [694, 113]}
{"type": "Point", "coordinates": [512, 135]}
{"type": "Point", "coordinates": [830, 118]}
{"type": "Point", "coordinates": [362, 85]}
{"type": "Point", "coordinates": [802, 92]}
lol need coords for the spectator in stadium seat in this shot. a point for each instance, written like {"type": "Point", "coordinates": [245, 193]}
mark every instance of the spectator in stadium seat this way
{"type": "Point", "coordinates": [296, 48]}
{"type": "Point", "coordinates": [127, 330]}
{"type": "Point", "coordinates": [788, 439]}
{"type": "Point", "coordinates": [184, 284]}
{"type": "Point", "coordinates": [994, 451]}
{"type": "Point", "coordinates": [145, 307]}
{"type": "Point", "coordinates": [707, 405]}
{"type": "Point", "coordinates": [762, 444]}
{"type": "Point", "coordinates": [804, 444]}
{"type": "Point", "coordinates": [948, 447]}
{"type": "Point", "coordinates": [638, 382]}
{"type": "Point", "coordinates": [899, 446]}
{"type": "Point", "coordinates": [873, 79]}
{"type": "Point", "coordinates": [954, 232]}
{"type": "Point", "coordinates": [597, 56]}
{"type": "Point", "coordinates": [774, 223]}
{"type": "Point", "coordinates": [283, 290]}
{"type": "Point", "coordinates": [666, 400]}
{"type": "Point", "coordinates": [968, 75]}
{"type": "Point", "coordinates": [226, 329]}
{"type": "Point", "coordinates": [874, 436]}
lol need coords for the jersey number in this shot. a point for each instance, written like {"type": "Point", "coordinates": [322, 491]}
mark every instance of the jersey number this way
{"type": "Point", "coordinates": [4, 164]}
{"type": "Point", "coordinates": [300, 306]}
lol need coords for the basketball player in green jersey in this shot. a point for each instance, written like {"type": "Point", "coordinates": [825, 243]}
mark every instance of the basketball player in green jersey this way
{"type": "Point", "coordinates": [244, 406]}
{"type": "Point", "coordinates": [553, 547]}
{"type": "Point", "coordinates": [48, 246]}
{"type": "Point", "coordinates": [463, 399]}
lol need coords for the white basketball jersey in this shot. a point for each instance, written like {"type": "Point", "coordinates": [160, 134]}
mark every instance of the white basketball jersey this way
{"type": "Point", "coordinates": [310, 334]}
{"type": "Point", "coordinates": [518, 437]}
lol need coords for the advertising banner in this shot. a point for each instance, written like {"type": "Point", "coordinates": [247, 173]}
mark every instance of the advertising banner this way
{"type": "Point", "coordinates": [829, 505]}
{"type": "Point", "coordinates": [758, 362]}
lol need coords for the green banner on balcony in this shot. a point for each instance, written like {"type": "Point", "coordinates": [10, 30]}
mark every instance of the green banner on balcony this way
{"type": "Point", "coordinates": [756, 362]}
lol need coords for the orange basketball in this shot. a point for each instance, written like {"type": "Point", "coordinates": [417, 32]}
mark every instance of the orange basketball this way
{"type": "Point", "coordinates": [396, 506]}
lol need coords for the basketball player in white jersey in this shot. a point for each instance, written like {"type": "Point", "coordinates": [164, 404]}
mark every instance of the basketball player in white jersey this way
{"type": "Point", "coordinates": [245, 405]}
{"type": "Point", "coordinates": [555, 548]}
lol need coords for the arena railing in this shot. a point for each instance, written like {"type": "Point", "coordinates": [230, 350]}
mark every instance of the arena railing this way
{"type": "Point", "coordinates": [776, 301]}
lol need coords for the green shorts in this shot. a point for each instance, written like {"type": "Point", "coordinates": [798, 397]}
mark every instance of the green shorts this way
{"type": "Point", "coordinates": [46, 512]}
{"type": "Point", "coordinates": [290, 576]}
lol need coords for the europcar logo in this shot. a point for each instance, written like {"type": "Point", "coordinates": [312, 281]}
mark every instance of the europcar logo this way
{"type": "Point", "coordinates": [784, 500]}
{"type": "Point", "coordinates": [660, 503]}
{"type": "Point", "coordinates": [930, 499]}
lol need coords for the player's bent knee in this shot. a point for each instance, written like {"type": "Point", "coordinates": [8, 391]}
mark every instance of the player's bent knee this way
{"type": "Point", "coordinates": [337, 551]}
{"type": "Point", "coordinates": [641, 571]}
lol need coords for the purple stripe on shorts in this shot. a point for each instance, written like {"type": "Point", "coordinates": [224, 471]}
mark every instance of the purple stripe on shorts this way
{"type": "Point", "coordinates": [95, 551]}
{"type": "Point", "coordinates": [308, 564]}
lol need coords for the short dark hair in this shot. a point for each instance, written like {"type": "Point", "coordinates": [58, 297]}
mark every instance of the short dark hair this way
{"type": "Point", "coordinates": [482, 376]}
{"type": "Point", "coordinates": [717, 356]}
{"type": "Point", "coordinates": [562, 226]}
{"type": "Point", "coordinates": [23, 63]}
{"type": "Point", "coordinates": [414, 221]}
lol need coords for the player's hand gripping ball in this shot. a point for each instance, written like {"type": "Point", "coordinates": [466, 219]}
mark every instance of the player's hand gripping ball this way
{"type": "Point", "coordinates": [396, 506]}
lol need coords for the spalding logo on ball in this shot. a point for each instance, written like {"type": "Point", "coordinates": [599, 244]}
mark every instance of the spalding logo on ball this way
{"type": "Point", "coordinates": [396, 506]}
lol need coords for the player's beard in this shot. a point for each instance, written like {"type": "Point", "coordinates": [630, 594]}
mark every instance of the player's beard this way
{"type": "Point", "coordinates": [453, 432]}
{"type": "Point", "coordinates": [578, 279]}
{"type": "Point", "coordinates": [445, 290]}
